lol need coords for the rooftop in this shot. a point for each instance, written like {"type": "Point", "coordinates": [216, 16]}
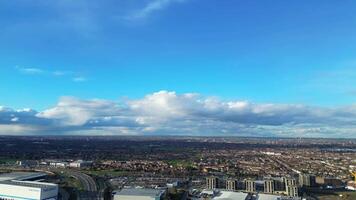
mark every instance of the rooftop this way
{"type": "Point", "coordinates": [139, 192]}
{"type": "Point", "coordinates": [21, 176]}
{"type": "Point", "coordinates": [268, 197]}
{"type": "Point", "coordinates": [227, 195]}
{"type": "Point", "coordinates": [29, 184]}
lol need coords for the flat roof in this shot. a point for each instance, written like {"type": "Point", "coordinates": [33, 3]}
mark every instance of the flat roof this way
{"type": "Point", "coordinates": [227, 195]}
{"type": "Point", "coordinates": [139, 192]}
{"type": "Point", "coordinates": [29, 184]}
{"type": "Point", "coordinates": [268, 197]}
{"type": "Point", "coordinates": [21, 176]}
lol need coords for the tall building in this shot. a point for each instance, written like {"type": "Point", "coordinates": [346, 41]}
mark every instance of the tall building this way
{"type": "Point", "coordinates": [231, 185]}
{"type": "Point", "coordinates": [211, 183]}
{"type": "Point", "coordinates": [289, 181]}
{"type": "Point", "coordinates": [240, 185]}
{"type": "Point", "coordinates": [308, 180]}
{"type": "Point", "coordinates": [292, 190]}
{"type": "Point", "coordinates": [279, 185]}
{"type": "Point", "coordinates": [291, 187]}
{"type": "Point", "coordinates": [269, 186]}
{"type": "Point", "coordinates": [250, 185]}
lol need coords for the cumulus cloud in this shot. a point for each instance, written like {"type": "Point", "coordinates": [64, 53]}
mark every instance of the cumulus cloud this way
{"type": "Point", "coordinates": [166, 112]}
{"type": "Point", "coordinates": [75, 112]}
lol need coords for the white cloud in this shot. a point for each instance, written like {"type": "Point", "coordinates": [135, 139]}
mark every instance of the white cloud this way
{"type": "Point", "coordinates": [75, 76]}
{"type": "Point", "coordinates": [15, 119]}
{"type": "Point", "coordinates": [30, 70]}
{"type": "Point", "coordinates": [167, 112]}
{"type": "Point", "coordinates": [79, 79]}
{"type": "Point", "coordinates": [60, 73]}
{"type": "Point", "coordinates": [71, 111]}
{"type": "Point", "coordinates": [151, 7]}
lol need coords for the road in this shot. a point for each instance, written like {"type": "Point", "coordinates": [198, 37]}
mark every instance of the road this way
{"type": "Point", "coordinates": [87, 182]}
{"type": "Point", "coordinates": [89, 186]}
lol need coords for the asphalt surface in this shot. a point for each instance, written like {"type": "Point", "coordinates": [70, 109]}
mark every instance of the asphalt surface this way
{"type": "Point", "coordinates": [89, 186]}
{"type": "Point", "coordinates": [87, 182]}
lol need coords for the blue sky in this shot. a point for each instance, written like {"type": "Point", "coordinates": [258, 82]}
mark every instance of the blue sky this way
{"type": "Point", "coordinates": [265, 52]}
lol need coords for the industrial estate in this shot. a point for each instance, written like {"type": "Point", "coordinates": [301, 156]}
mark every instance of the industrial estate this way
{"type": "Point", "coordinates": [193, 168]}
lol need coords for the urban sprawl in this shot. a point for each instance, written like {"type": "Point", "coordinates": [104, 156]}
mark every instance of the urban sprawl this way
{"type": "Point", "coordinates": [177, 168]}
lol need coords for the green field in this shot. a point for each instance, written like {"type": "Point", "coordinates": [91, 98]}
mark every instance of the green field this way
{"type": "Point", "coordinates": [69, 181]}
{"type": "Point", "coordinates": [7, 161]}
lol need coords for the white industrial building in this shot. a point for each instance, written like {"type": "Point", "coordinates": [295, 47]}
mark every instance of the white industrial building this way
{"type": "Point", "coordinates": [22, 176]}
{"type": "Point", "coordinates": [28, 190]}
{"type": "Point", "coordinates": [139, 193]}
{"type": "Point", "coordinates": [81, 164]}
{"type": "Point", "coordinates": [228, 195]}
{"type": "Point", "coordinates": [15, 186]}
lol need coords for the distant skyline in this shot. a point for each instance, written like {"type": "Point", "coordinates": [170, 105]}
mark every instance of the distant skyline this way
{"type": "Point", "coordinates": [186, 67]}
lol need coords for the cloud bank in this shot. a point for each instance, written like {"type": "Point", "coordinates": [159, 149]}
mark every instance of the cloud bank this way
{"type": "Point", "coordinates": [169, 113]}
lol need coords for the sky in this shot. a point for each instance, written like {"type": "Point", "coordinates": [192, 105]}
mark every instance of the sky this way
{"type": "Point", "coordinates": [178, 67]}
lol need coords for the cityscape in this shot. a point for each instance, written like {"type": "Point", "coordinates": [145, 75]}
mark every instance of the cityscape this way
{"type": "Point", "coordinates": [177, 100]}
{"type": "Point", "coordinates": [172, 167]}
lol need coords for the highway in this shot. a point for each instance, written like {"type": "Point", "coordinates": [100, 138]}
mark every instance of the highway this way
{"type": "Point", "coordinates": [90, 189]}
{"type": "Point", "coordinates": [87, 182]}
{"type": "Point", "coordinates": [89, 186]}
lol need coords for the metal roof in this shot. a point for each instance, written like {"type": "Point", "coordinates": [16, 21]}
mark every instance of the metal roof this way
{"type": "Point", "coordinates": [268, 197]}
{"type": "Point", "coordinates": [227, 195]}
{"type": "Point", "coordinates": [29, 184]}
{"type": "Point", "coordinates": [21, 176]}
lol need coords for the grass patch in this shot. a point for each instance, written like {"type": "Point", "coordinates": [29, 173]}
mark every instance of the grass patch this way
{"type": "Point", "coordinates": [71, 182]}
{"type": "Point", "coordinates": [7, 161]}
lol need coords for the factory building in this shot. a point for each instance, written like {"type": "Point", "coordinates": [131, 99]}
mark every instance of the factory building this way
{"type": "Point", "coordinates": [229, 195]}
{"type": "Point", "coordinates": [81, 164]}
{"type": "Point", "coordinates": [24, 190]}
{"type": "Point", "coordinates": [142, 194]}
{"type": "Point", "coordinates": [21, 186]}
{"type": "Point", "coordinates": [22, 176]}
{"type": "Point", "coordinates": [28, 163]}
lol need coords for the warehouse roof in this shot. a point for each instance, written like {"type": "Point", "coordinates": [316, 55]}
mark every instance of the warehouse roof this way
{"type": "Point", "coordinates": [29, 184]}
{"type": "Point", "coordinates": [21, 176]}
{"type": "Point", "coordinates": [227, 195]}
